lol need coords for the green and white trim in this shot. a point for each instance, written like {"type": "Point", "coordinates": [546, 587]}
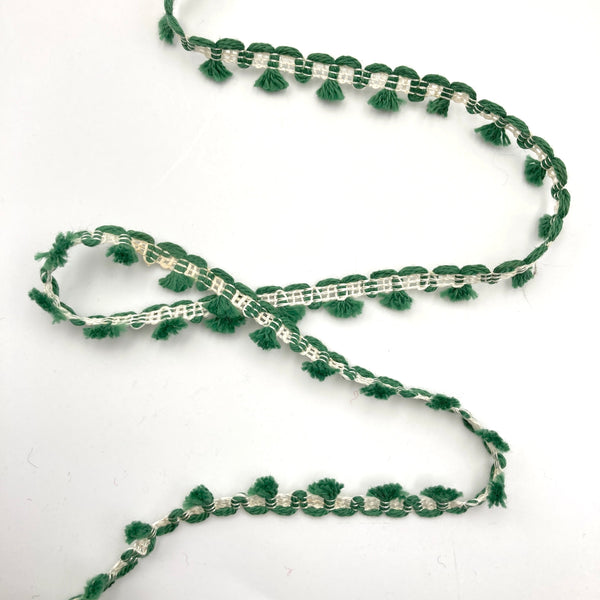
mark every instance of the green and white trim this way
{"type": "Point", "coordinates": [225, 304]}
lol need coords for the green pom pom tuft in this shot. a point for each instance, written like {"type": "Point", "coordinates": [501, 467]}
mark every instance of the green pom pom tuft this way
{"type": "Point", "coordinates": [520, 279]}
{"type": "Point", "coordinates": [496, 494]}
{"type": "Point", "coordinates": [271, 81]}
{"type": "Point", "coordinates": [388, 492]}
{"type": "Point", "coordinates": [318, 369]}
{"type": "Point", "coordinates": [215, 70]}
{"type": "Point", "coordinates": [386, 100]}
{"type": "Point", "coordinates": [466, 292]}
{"type": "Point", "coordinates": [57, 255]}
{"type": "Point", "coordinates": [439, 106]}
{"type": "Point", "coordinates": [378, 390]}
{"type": "Point", "coordinates": [344, 309]}
{"type": "Point", "coordinates": [166, 329]}
{"type": "Point", "coordinates": [225, 324]}
{"type": "Point", "coordinates": [534, 172]}
{"type": "Point", "coordinates": [45, 303]}
{"type": "Point", "coordinates": [99, 332]}
{"type": "Point", "coordinates": [441, 402]}
{"type": "Point", "coordinates": [493, 134]}
{"type": "Point", "coordinates": [396, 300]}
{"type": "Point", "coordinates": [544, 225]}
{"type": "Point", "coordinates": [330, 91]}
{"type": "Point", "coordinates": [265, 487]}
{"type": "Point", "coordinates": [123, 254]}
{"type": "Point", "coordinates": [328, 489]}
{"type": "Point", "coordinates": [265, 338]}
{"type": "Point", "coordinates": [291, 314]}
{"type": "Point", "coordinates": [95, 586]}
{"type": "Point", "coordinates": [137, 531]}
{"type": "Point", "coordinates": [221, 307]}
{"type": "Point", "coordinates": [492, 437]}
{"type": "Point", "coordinates": [199, 496]}
{"type": "Point", "coordinates": [441, 494]}
{"type": "Point", "coordinates": [176, 282]}
{"type": "Point", "coordinates": [165, 33]}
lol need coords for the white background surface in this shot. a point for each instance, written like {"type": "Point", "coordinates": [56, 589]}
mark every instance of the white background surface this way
{"type": "Point", "coordinates": [101, 123]}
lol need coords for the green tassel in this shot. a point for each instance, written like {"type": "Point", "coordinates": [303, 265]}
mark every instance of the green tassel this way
{"type": "Point", "coordinates": [318, 369]}
{"type": "Point", "coordinates": [45, 303]}
{"type": "Point", "coordinates": [165, 33]}
{"type": "Point", "coordinates": [492, 437]}
{"type": "Point", "coordinates": [330, 91]}
{"type": "Point", "coordinates": [291, 314]}
{"type": "Point", "coordinates": [328, 489]}
{"type": "Point", "coordinates": [225, 324]}
{"type": "Point", "coordinates": [215, 70]}
{"type": "Point", "coordinates": [496, 494]}
{"type": "Point", "coordinates": [396, 300]}
{"type": "Point", "coordinates": [265, 487]}
{"type": "Point", "coordinates": [520, 279]}
{"type": "Point", "coordinates": [220, 306]}
{"type": "Point", "coordinates": [137, 531]}
{"type": "Point", "coordinates": [378, 390]}
{"type": "Point", "coordinates": [100, 332]}
{"type": "Point", "coordinates": [271, 81]}
{"type": "Point", "coordinates": [57, 255]}
{"type": "Point", "coordinates": [441, 494]}
{"type": "Point", "coordinates": [95, 587]}
{"type": "Point", "coordinates": [344, 309]}
{"type": "Point", "coordinates": [466, 292]}
{"type": "Point", "coordinates": [386, 100]}
{"type": "Point", "coordinates": [176, 282]}
{"type": "Point", "coordinates": [441, 402]}
{"type": "Point", "coordinates": [544, 225]}
{"type": "Point", "coordinates": [199, 496]}
{"type": "Point", "coordinates": [439, 106]}
{"type": "Point", "coordinates": [534, 172]}
{"type": "Point", "coordinates": [265, 338]}
{"type": "Point", "coordinates": [123, 254]}
{"type": "Point", "coordinates": [388, 492]}
{"type": "Point", "coordinates": [493, 134]}
{"type": "Point", "coordinates": [167, 328]}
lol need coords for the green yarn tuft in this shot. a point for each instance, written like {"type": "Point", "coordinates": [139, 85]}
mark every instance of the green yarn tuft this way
{"type": "Point", "coordinates": [215, 70]}
{"type": "Point", "coordinates": [318, 369]}
{"type": "Point", "coordinates": [378, 390]}
{"type": "Point", "coordinates": [221, 307]}
{"type": "Point", "coordinates": [176, 282]}
{"type": "Point", "coordinates": [388, 492]}
{"type": "Point", "coordinates": [534, 172]}
{"type": "Point", "coordinates": [544, 225]}
{"type": "Point", "coordinates": [137, 531]}
{"type": "Point", "coordinates": [344, 309]}
{"type": "Point", "coordinates": [496, 494]}
{"type": "Point", "coordinates": [166, 329]}
{"type": "Point", "coordinates": [439, 106]}
{"type": "Point", "coordinates": [386, 100]}
{"type": "Point", "coordinates": [466, 292]}
{"type": "Point", "coordinates": [492, 437]}
{"type": "Point", "coordinates": [328, 489]}
{"type": "Point", "coordinates": [57, 255]}
{"type": "Point", "coordinates": [291, 314]}
{"type": "Point", "coordinates": [441, 402]}
{"type": "Point", "coordinates": [45, 303]}
{"type": "Point", "coordinates": [199, 496]}
{"type": "Point", "coordinates": [441, 494]}
{"type": "Point", "coordinates": [520, 279]}
{"type": "Point", "coordinates": [99, 332]}
{"type": "Point", "coordinates": [265, 487]}
{"type": "Point", "coordinates": [95, 586]}
{"type": "Point", "coordinates": [265, 338]}
{"type": "Point", "coordinates": [396, 300]}
{"type": "Point", "coordinates": [123, 254]}
{"type": "Point", "coordinates": [165, 33]}
{"type": "Point", "coordinates": [331, 91]}
{"type": "Point", "coordinates": [226, 324]}
{"type": "Point", "coordinates": [271, 81]}
{"type": "Point", "coordinates": [493, 134]}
